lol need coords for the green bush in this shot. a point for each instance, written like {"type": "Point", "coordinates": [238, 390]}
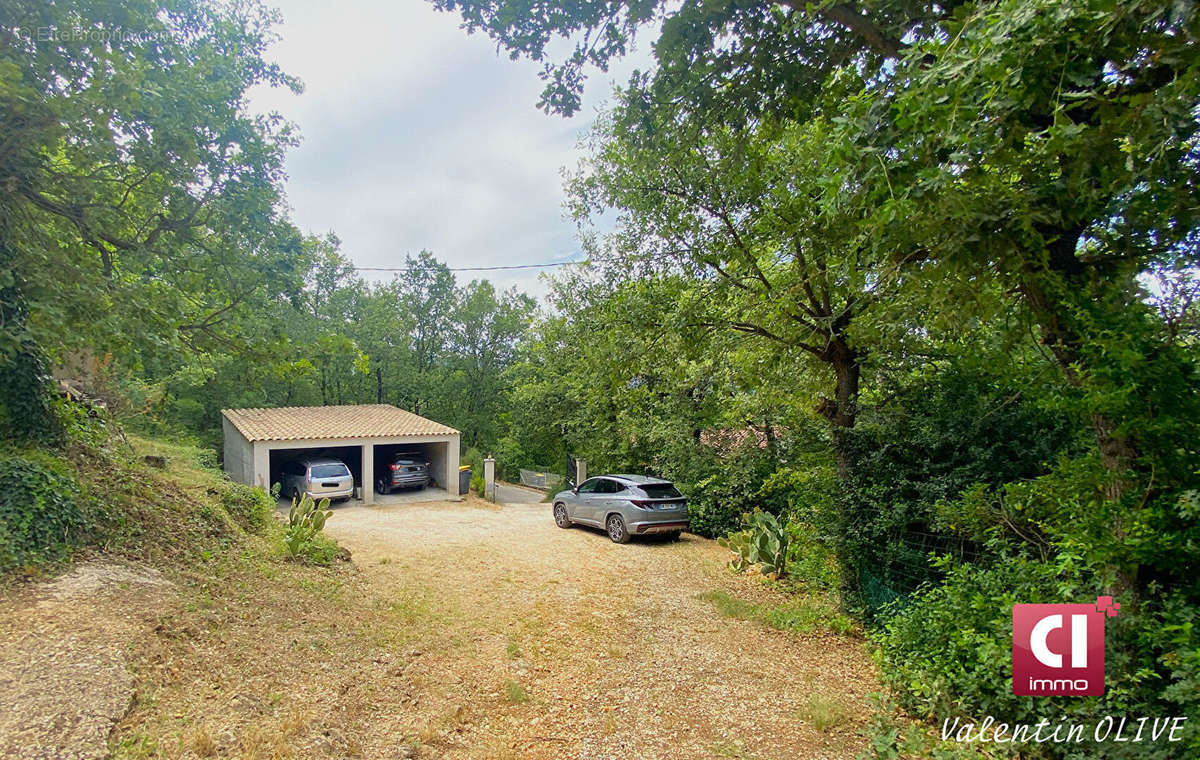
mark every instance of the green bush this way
{"type": "Point", "coordinates": [40, 514]}
{"type": "Point", "coordinates": [734, 487]}
{"type": "Point", "coordinates": [27, 412]}
{"type": "Point", "coordinates": [947, 653]}
{"type": "Point", "coordinates": [932, 441]}
{"type": "Point", "coordinates": [250, 507]}
{"type": "Point", "coordinates": [811, 557]}
{"type": "Point", "coordinates": [320, 550]}
{"type": "Point", "coordinates": [473, 458]}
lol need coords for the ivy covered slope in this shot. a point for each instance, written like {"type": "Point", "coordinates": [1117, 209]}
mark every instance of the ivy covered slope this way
{"type": "Point", "coordinates": [142, 499]}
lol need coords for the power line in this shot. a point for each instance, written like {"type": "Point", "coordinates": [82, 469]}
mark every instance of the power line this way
{"type": "Point", "coordinates": [579, 262]}
{"type": "Point", "coordinates": [474, 269]}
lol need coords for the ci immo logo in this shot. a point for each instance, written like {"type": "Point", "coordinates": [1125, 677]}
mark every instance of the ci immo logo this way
{"type": "Point", "coordinates": [1058, 649]}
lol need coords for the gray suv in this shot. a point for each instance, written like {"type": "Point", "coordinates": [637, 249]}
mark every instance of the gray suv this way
{"type": "Point", "coordinates": [405, 470]}
{"type": "Point", "coordinates": [319, 477]}
{"type": "Point", "coordinates": [624, 506]}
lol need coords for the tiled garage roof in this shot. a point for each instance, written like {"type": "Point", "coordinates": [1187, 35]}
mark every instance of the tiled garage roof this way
{"type": "Point", "coordinates": [292, 423]}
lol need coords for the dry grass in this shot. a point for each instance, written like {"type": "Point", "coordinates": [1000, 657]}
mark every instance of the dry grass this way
{"type": "Point", "coordinates": [202, 742]}
{"type": "Point", "coordinates": [514, 692]}
{"type": "Point", "coordinates": [823, 713]}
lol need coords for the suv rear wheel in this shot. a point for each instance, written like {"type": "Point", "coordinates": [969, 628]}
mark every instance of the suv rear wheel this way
{"type": "Point", "coordinates": [617, 530]}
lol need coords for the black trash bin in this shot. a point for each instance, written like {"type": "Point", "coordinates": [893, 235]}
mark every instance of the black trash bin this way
{"type": "Point", "coordinates": [464, 480]}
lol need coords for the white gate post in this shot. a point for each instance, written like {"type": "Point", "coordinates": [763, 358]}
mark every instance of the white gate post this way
{"type": "Point", "coordinates": [367, 469]}
{"type": "Point", "coordinates": [580, 471]}
{"type": "Point", "coordinates": [489, 479]}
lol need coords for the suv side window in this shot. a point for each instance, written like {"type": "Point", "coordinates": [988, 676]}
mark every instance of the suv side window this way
{"type": "Point", "coordinates": [592, 486]}
{"type": "Point", "coordinates": [611, 486]}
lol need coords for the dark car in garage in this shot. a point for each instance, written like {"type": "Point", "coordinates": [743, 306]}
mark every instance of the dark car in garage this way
{"type": "Point", "coordinates": [405, 469]}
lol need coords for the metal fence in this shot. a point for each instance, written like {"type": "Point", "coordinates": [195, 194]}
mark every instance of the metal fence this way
{"type": "Point", "coordinates": [544, 480]}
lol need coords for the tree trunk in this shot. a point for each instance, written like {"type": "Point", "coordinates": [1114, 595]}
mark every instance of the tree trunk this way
{"type": "Point", "coordinates": [1117, 452]}
{"type": "Point", "coordinates": [842, 413]}
{"type": "Point", "coordinates": [24, 379]}
{"type": "Point", "coordinates": [842, 410]}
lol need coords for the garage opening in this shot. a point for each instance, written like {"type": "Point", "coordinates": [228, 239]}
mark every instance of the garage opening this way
{"type": "Point", "coordinates": [432, 455]}
{"type": "Point", "coordinates": [351, 456]}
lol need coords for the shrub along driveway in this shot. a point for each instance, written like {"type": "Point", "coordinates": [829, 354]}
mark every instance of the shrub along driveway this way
{"type": "Point", "coordinates": [520, 639]}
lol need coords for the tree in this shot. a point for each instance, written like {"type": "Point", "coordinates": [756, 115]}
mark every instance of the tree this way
{"type": "Point", "coordinates": [732, 59]}
{"type": "Point", "coordinates": [1044, 149]}
{"type": "Point", "coordinates": [484, 344]}
{"type": "Point", "coordinates": [427, 294]}
{"type": "Point", "coordinates": [140, 211]}
{"type": "Point", "coordinates": [768, 246]}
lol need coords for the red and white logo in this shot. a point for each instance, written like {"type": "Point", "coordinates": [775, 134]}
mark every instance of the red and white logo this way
{"type": "Point", "coordinates": [1058, 649]}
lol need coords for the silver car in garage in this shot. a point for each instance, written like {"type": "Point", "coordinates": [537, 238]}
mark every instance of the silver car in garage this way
{"type": "Point", "coordinates": [623, 506]}
{"type": "Point", "coordinates": [319, 477]}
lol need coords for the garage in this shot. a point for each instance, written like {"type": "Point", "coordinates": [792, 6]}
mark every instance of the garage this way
{"type": "Point", "coordinates": [259, 443]}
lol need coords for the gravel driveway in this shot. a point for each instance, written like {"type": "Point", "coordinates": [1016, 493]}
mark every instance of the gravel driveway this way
{"type": "Point", "coordinates": [524, 640]}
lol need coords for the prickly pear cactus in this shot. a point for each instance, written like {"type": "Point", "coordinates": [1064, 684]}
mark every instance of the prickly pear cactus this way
{"type": "Point", "coordinates": [763, 543]}
{"type": "Point", "coordinates": [739, 544]}
{"type": "Point", "coordinates": [305, 520]}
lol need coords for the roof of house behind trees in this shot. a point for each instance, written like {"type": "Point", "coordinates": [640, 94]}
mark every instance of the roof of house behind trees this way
{"type": "Point", "coordinates": [291, 423]}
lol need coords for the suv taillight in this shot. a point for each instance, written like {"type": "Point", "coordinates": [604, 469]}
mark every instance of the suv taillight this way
{"type": "Point", "coordinates": [641, 503]}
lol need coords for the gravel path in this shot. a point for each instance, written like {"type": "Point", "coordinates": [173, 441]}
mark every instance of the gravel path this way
{"type": "Point", "coordinates": [64, 675]}
{"type": "Point", "coordinates": [507, 493]}
{"type": "Point", "coordinates": [529, 641]}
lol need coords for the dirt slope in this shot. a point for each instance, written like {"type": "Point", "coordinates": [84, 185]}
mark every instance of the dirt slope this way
{"type": "Point", "coordinates": [64, 655]}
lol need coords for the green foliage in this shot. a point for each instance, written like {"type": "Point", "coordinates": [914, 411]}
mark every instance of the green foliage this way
{"type": "Point", "coordinates": [420, 341]}
{"type": "Point", "coordinates": [40, 513]}
{"type": "Point", "coordinates": [474, 458]}
{"type": "Point", "coordinates": [944, 434]}
{"type": "Point", "coordinates": [321, 550]}
{"type": "Point", "coordinates": [305, 522]}
{"type": "Point", "coordinates": [118, 225]}
{"type": "Point", "coordinates": [812, 559]}
{"type": "Point", "coordinates": [729, 489]}
{"type": "Point", "coordinates": [251, 507]}
{"type": "Point", "coordinates": [805, 616]}
{"type": "Point", "coordinates": [946, 651]}
{"type": "Point", "coordinates": [763, 543]}
{"type": "Point", "coordinates": [26, 409]}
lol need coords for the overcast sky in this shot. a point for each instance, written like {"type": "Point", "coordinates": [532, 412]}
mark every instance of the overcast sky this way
{"type": "Point", "coordinates": [416, 135]}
